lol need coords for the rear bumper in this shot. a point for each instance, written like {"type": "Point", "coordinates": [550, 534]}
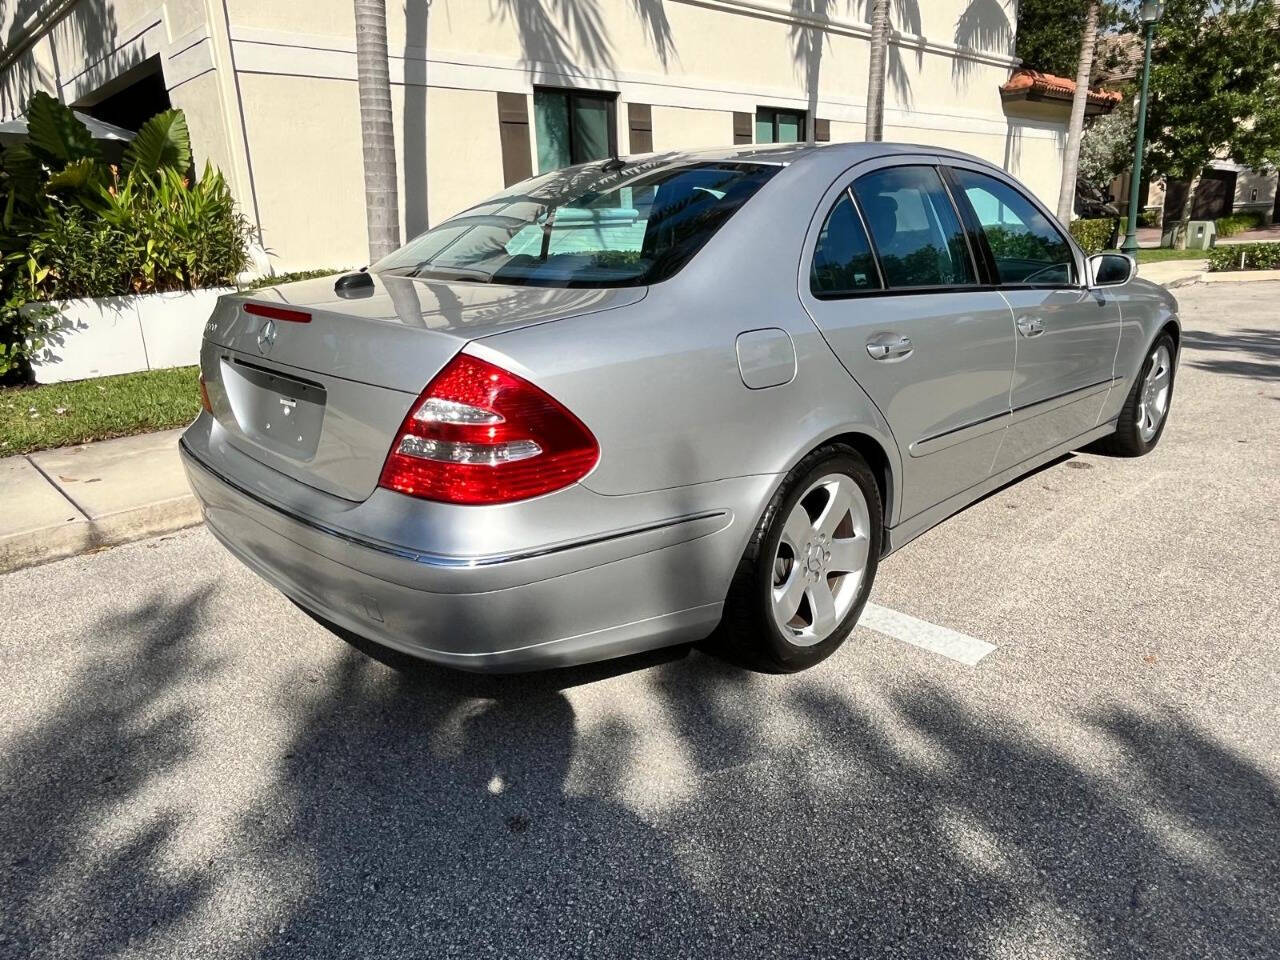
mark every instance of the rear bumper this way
{"type": "Point", "coordinates": [612, 589]}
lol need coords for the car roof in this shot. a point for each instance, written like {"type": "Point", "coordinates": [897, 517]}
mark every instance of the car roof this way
{"type": "Point", "coordinates": [789, 153]}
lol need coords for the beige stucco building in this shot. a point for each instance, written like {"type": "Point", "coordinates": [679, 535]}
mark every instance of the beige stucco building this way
{"type": "Point", "coordinates": [479, 87]}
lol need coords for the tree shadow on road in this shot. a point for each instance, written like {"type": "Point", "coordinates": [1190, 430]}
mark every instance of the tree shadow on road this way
{"type": "Point", "coordinates": [1257, 352]}
{"type": "Point", "coordinates": [76, 774]}
{"type": "Point", "coordinates": [731, 814]}
{"type": "Point", "coordinates": [668, 805]}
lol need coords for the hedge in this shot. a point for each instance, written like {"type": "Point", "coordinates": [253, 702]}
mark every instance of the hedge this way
{"type": "Point", "coordinates": [1256, 256]}
{"type": "Point", "coordinates": [1094, 236]}
{"type": "Point", "coordinates": [1239, 223]}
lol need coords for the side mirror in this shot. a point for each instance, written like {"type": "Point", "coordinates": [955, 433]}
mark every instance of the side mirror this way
{"type": "Point", "coordinates": [1112, 269]}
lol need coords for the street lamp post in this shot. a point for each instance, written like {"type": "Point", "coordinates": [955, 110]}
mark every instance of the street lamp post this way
{"type": "Point", "coordinates": [1150, 14]}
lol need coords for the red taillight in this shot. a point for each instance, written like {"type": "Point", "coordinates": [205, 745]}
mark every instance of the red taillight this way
{"type": "Point", "coordinates": [204, 396]}
{"type": "Point", "coordinates": [277, 313]}
{"type": "Point", "coordinates": [479, 434]}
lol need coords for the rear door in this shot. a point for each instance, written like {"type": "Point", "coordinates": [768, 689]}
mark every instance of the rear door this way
{"type": "Point", "coordinates": [889, 278]}
{"type": "Point", "coordinates": [1066, 333]}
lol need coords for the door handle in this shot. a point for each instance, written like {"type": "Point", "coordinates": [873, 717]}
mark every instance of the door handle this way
{"type": "Point", "coordinates": [888, 347]}
{"type": "Point", "coordinates": [1030, 326]}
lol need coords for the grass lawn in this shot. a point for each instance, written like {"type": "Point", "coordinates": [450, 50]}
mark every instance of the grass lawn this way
{"type": "Point", "coordinates": [1162, 253]}
{"type": "Point", "coordinates": [59, 414]}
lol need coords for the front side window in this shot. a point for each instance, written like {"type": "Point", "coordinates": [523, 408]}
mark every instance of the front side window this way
{"type": "Point", "coordinates": [915, 228]}
{"type": "Point", "coordinates": [842, 260]}
{"type": "Point", "coordinates": [779, 126]}
{"type": "Point", "coordinates": [572, 127]}
{"type": "Point", "coordinates": [594, 226]}
{"type": "Point", "coordinates": [1027, 248]}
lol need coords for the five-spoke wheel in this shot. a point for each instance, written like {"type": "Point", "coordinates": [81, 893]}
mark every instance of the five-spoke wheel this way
{"type": "Point", "coordinates": [1157, 386]}
{"type": "Point", "coordinates": [809, 566]}
{"type": "Point", "coordinates": [820, 559]}
{"type": "Point", "coordinates": [1146, 408]}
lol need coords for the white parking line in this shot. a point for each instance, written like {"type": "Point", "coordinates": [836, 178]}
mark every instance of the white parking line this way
{"type": "Point", "coordinates": [928, 636]}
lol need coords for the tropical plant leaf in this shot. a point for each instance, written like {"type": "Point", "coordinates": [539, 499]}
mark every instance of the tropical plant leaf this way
{"type": "Point", "coordinates": [79, 175]}
{"type": "Point", "coordinates": [24, 174]}
{"type": "Point", "coordinates": [55, 134]}
{"type": "Point", "coordinates": [163, 143]}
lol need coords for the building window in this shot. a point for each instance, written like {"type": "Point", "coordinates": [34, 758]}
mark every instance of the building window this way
{"type": "Point", "coordinates": [573, 127]}
{"type": "Point", "coordinates": [779, 126]}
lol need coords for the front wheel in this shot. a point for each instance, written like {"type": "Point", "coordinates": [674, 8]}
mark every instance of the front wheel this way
{"type": "Point", "coordinates": [808, 569]}
{"type": "Point", "coordinates": [1146, 409]}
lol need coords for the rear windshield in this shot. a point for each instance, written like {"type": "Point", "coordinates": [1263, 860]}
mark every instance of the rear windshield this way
{"type": "Point", "coordinates": [592, 226]}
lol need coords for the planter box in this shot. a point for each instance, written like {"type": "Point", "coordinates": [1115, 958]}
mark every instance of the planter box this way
{"type": "Point", "coordinates": [102, 337]}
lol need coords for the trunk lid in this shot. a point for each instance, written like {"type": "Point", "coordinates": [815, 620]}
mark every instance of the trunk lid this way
{"type": "Point", "coordinates": [319, 390]}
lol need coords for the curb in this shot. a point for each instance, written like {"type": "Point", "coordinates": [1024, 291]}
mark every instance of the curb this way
{"type": "Point", "coordinates": [35, 547]}
{"type": "Point", "coordinates": [1223, 276]}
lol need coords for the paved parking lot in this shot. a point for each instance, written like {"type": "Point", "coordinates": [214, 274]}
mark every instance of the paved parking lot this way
{"type": "Point", "coordinates": [190, 767]}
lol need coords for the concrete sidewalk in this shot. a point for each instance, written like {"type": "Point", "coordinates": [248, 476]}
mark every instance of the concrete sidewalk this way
{"type": "Point", "coordinates": [59, 503]}
{"type": "Point", "coordinates": [1180, 273]}
{"type": "Point", "coordinates": [1174, 273]}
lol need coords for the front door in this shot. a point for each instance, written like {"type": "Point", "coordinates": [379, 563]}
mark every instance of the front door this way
{"type": "Point", "coordinates": [1066, 334]}
{"type": "Point", "coordinates": [904, 313]}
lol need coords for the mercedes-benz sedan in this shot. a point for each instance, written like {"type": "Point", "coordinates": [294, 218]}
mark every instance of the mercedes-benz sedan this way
{"type": "Point", "coordinates": [622, 405]}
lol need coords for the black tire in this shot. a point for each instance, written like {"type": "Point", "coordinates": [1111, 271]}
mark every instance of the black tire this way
{"type": "Point", "coordinates": [1128, 441]}
{"type": "Point", "coordinates": [748, 631]}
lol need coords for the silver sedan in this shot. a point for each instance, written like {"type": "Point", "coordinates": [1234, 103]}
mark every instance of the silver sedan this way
{"type": "Point", "coordinates": [632, 403]}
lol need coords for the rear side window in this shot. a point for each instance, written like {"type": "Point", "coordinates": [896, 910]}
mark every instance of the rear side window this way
{"type": "Point", "coordinates": [1027, 248]}
{"type": "Point", "coordinates": [915, 228]}
{"type": "Point", "coordinates": [842, 260]}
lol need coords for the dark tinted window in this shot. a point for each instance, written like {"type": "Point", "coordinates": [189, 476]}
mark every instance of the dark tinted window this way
{"type": "Point", "coordinates": [915, 228]}
{"type": "Point", "coordinates": [572, 127]}
{"type": "Point", "coordinates": [842, 259]}
{"type": "Point", "coordinates": [1027, 248]}
{"type": "Point", "coordinates": [779, 126]}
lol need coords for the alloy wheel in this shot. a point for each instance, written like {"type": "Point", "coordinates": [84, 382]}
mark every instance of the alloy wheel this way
{"type": "Point", "coordinates": [821, 559]}
{"type": "Point", "coordinates": [1153, 401]}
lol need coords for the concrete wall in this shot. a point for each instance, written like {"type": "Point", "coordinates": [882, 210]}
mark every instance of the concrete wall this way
{"type": "Point", "coordinates": [271, 93]}
{"type": "Point", "coordinates": [1264, 184]}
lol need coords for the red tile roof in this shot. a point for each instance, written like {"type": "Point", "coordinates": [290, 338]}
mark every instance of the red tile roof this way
{"type": "Point", "coordinates": [1032, 84]}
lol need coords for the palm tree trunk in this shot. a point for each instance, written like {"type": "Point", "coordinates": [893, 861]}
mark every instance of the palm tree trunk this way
{"type": "Point", "coordinates": [1075, 128]}
{"type": "Point", "coordinates": [377, 131]}
{"type": "Point", "coordinates": [875, 78]}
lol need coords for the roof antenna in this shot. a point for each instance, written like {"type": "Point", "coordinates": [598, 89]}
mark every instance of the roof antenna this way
{"type": "Point", "coordinates": [612, 164]}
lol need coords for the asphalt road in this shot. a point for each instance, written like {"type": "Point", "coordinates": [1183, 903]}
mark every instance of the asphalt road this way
{"type": "Point", "coordinates": [189, 767]}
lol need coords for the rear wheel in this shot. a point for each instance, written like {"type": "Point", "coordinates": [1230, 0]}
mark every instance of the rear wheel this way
{"type": "Point", "coordinates": [1146, 409]}
{"type": "Point", "coordinates": [808, 570]}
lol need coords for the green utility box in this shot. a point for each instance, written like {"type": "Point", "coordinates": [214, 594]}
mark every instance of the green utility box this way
{"type": "Point", "coordinates": [1201, 235]}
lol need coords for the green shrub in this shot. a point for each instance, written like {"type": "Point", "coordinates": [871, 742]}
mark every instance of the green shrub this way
{"type": "Point", "coordinates": [1094, 236]}
{"type": "Point", "coordinates": [1149, 218]}
{"type": "Point", "coordinates": [1245, 256]}
{"type": "Point", "coordinates": [75, 227]}
{"type": "Point", "coordinates": [1239, 223]}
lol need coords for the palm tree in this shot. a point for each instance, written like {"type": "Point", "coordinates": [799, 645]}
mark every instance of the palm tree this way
{"type": "Point", "coordinates": [377, 132]}
{"type": "Point", "coordinates": [1075, 127]}
{"type": "Point", "coordinates": [875, 81]}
